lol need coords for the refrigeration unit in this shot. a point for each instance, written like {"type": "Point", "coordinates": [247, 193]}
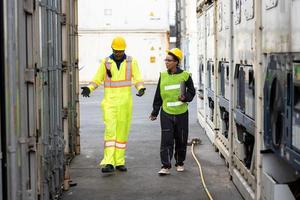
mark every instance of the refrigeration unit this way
{"type": "Point", "coordinates": [244, 111]}
{"type": "Point", "coordinates": [210, 90]}
{"type": "Point", "coordinates": [224, 97]}
{"type": "Point", "coordinates": [282, 108]}
{"type": "Point", "coordinates": [281, 154]}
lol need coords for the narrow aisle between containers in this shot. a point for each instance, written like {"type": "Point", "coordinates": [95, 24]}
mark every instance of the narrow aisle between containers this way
{"type": "Point", "coordinates": [141, 181]}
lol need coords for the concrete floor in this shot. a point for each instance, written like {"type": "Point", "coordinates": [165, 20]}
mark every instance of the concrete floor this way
{"type": "Point", "coordinates": [141, 181]}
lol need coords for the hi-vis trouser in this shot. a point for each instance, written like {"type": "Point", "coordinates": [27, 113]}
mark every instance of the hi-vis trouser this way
{"type": "Point", "coordinates": [117, 118]}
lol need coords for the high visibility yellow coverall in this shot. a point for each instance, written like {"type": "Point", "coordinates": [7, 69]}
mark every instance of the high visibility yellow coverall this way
{"type": "Point", "coordinates": [117, 105]}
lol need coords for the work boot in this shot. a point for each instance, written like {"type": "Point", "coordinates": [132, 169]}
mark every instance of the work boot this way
{"type": "Point", "coordinates": [108, 169]}
{"type": "Point", "coordinates": [121, 168]}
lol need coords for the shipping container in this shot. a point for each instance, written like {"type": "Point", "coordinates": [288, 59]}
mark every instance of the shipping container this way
{"type": "Point", "coordinates": [254, 46]}
{"type": "Point", "coordinates": [36, 146]}
{"type": "Point", "coordinates": [117, 15]}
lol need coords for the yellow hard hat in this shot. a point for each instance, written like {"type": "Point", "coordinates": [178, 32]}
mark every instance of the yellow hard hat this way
{"type": "Point", "coordinates": [176, 52]}
{"type": "Point", "coordinates": [118, 43]}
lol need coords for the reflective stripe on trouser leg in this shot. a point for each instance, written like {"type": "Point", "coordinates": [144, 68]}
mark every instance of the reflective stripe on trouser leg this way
{"type": "Point", "coordinates": [120, 153]}
{"type": "Point", "coordinates": [110, 121]}
{"type": "Point", "coordinates": [167, 138]}
{"type": "Point", "coordinates": [181, 136]}
{"type": "Point", "coordinates": [123, 127]}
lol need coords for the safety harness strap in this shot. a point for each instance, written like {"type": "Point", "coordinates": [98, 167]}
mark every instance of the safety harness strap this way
{"type": "Point", "coordinates": [107, 66]}
{"type": "Point", "coordinates": [128, 68]}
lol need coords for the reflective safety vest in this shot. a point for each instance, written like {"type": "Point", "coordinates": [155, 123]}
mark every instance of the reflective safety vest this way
{"type": "Point", "coordinates": [121, 79]}
{"type": "Point", "coordinates": [170, 91]}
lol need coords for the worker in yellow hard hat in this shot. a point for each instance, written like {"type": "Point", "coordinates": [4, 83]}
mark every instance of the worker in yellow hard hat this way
{"type": "Point", "coordinates": [175, 88]}
{"type": "Point", "coordinates": [116, 72]}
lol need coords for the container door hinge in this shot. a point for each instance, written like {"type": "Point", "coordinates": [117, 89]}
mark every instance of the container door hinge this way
{"type": "Point", "coordinates": [31, 144]}
{"type": "Point", "coordinates": [64, 66]}
{"type": "Point", "coordinates": [30, 74]}
{"type": "Point", "coordinates": [76, 64]}
{"type": "Point", "coordinates": [63, 19]}
{"type": "Point", "coordinates": [65, 113]}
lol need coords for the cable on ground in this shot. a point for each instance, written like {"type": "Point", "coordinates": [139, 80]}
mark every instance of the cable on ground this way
{"type": "Point", "coordinates": [196, 141]}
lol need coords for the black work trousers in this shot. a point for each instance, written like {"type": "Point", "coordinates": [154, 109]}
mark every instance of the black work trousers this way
{"type": "Point", "coordinates": [174, 130]}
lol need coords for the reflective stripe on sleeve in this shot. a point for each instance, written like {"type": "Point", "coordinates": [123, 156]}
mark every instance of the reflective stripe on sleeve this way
{"type": "Point", "coordinates": [93, 84]}
{"type": "Point", "coordinates": [138, 84]}
{"type": "Point", "coordinates": [107, 67]}
{"type": "Point", "coordinates": [176, 103]}
{"type": "Point", "coordinates": [128, 68]}
{"type": "Point", "coordinates": [172, 87]}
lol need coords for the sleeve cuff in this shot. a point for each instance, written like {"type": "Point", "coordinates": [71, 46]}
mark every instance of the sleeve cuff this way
{"type": "Point", "coordinates": [139, 85]}
{"type": "Point", "coordinates": [91, 87]}
{"type": "Point", "coordinates": [154, 113]}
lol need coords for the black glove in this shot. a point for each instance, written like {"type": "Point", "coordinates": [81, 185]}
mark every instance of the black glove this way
{"type": "Point", "coordinates": [85, 92]}
{"type": "Point", "coordinates": [141, 92]}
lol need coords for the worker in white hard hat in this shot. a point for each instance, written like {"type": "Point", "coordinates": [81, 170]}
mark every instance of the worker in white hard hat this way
{"type": "Point", "coordinates": [175, 88]}
{"type": "Point", "coordinates": [116, 72]}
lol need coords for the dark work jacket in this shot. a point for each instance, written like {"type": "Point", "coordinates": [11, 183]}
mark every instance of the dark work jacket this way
{"type": "Point", "coordinates": [190, 93]}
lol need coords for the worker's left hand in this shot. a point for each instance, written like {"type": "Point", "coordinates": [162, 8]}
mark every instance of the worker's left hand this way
{"type": "Point", "coordinates": [141, 92]}
{"type": "Point", "coordinates": [152, 118]}
{"type": "Point", "coordinates": [181, 98]}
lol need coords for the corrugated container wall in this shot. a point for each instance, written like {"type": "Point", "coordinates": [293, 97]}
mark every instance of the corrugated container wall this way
{"type": "Point", "coordinates": [146, 33]}
{"type": "Point", "coordinates": [39, 97]}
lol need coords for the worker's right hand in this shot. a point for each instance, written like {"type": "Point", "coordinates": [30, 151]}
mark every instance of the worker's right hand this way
{"type": "Point", "coordinates": [152, 118]}
{"type": "Point", "coordinates": [141, 92]}
{"type": "Point", "coordinates": [85, 92]}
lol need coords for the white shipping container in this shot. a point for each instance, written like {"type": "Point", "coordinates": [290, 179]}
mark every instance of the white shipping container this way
{"type": "Point", "coordinates": [280, 34]}
{"type": "Point", "coordinates": [148, 48]}
{"type": "Point", "coordinates": [123, 15]}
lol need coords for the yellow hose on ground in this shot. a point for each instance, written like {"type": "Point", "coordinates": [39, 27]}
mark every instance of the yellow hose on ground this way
{"type": "Point", "coordinates": [200, 170]}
